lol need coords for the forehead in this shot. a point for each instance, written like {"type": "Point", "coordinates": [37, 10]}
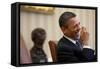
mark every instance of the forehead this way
{"type": "Point", "coordinates": [73, 21]}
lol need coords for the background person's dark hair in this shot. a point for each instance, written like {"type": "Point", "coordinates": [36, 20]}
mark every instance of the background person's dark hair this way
{"type": "Point", "coordinates": [65, 17]}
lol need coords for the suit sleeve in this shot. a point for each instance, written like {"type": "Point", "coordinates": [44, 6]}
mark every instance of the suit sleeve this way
{"type": "Point", "coordinates": [88, 54]}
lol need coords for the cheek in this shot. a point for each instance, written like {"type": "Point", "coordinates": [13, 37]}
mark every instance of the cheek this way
{"type": "Point", "coordinates": [72, 30]}
{"type": "Point", "coordinates": [74, 33]}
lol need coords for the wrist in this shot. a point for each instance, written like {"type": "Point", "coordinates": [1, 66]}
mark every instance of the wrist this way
{"type": "Point", "coordinates": [85, 43]}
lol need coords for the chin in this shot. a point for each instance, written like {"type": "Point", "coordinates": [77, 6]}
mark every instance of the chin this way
{"type": "Point", "coordinates": [77, 37]}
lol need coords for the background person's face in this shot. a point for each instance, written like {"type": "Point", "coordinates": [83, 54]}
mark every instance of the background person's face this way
{"type": "Point", "coordinates": [73, 28]}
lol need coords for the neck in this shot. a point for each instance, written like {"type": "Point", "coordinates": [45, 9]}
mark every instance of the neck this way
{"type": "Point", "coordinates": [38, 46]}
{"type": "Point", "coordinates": [68, 35]}
{"type": "Point", "coordinates": [73, 41]}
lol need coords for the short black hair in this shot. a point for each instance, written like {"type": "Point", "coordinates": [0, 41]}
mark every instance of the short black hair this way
{"type": "Point", "coordinates": [65, 17]}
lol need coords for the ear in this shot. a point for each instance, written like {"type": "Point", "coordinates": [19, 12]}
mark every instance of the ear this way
{"type": "Point", "coordinates": [63, 30]}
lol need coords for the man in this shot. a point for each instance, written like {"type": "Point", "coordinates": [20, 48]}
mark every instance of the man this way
{"type": "Point", "coordinates": [73, 46]}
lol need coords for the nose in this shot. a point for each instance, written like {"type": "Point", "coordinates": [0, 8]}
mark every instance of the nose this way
{"type": "Point", "coordinates": [78, 27]}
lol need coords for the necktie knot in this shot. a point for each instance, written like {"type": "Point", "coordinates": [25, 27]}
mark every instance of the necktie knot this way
{"type": "Point", "coordinates": [78, 44]}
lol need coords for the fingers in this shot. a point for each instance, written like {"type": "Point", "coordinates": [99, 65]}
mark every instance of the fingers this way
{"type": "Point", "coordinates": [83, 29]}
{"type": "Point", "coordinates": [84, 36]}
{"type": "Point", "coordinates": [84, 32]}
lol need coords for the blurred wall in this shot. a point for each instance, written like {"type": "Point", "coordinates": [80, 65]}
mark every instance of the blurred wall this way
{"type": "Point", "coordinates": [30, 20]}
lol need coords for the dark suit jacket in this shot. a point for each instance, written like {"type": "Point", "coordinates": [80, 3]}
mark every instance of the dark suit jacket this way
{"type": "Point", "coordinates": [69, 52]}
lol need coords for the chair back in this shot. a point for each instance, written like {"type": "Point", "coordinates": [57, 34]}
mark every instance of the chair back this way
{"type": "Point", "coordinates": [53, 49]}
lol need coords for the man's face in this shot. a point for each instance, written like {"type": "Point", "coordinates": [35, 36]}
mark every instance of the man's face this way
{"type": "Point", "coordinates": [73, 28]}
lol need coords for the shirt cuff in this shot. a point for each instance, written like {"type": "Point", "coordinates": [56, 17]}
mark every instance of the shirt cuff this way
{"type": "Point", "coordinates": [87, 47]}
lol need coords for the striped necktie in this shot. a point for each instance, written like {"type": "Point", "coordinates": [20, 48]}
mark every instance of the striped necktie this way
{"type": "Point", "coordinates": [78, 44]}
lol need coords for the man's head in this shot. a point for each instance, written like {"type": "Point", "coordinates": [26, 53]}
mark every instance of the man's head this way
{"type": "Point", "coordinates": [70, 25]}
{"type": "Point", "coordinates": [38, 36]}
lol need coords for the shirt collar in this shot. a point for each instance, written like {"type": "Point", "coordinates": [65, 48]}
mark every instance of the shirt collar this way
{"type": "Point", "coordinates": [73, 41]}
